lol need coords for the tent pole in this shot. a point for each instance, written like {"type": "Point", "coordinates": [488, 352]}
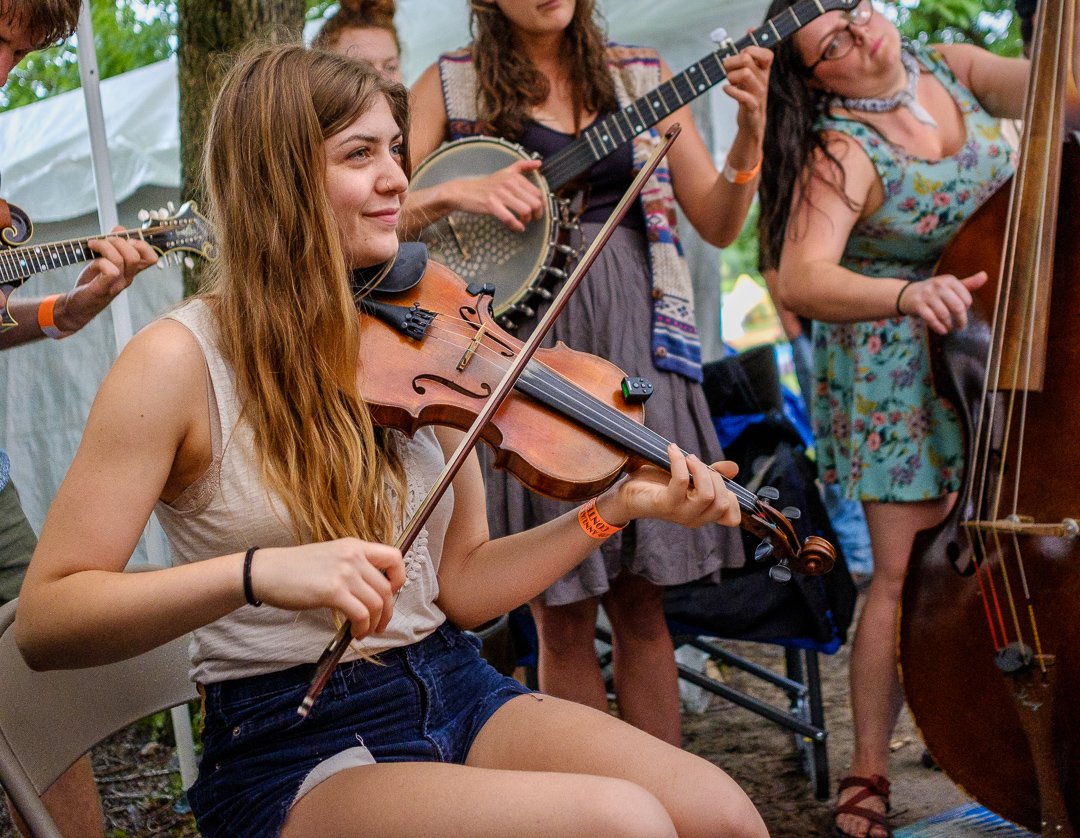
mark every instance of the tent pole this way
{"type": "Point", "coordinates": [99, 158]}
{"type": "Point", "coordinates": [108, 214]}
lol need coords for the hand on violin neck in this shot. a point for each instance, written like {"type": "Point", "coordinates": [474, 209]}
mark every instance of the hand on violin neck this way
{"type": "Point", "coordinates": [691, 494]}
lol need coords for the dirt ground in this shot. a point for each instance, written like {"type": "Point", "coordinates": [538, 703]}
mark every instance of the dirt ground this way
{"type": "Point", "coordinates": [138, 778]}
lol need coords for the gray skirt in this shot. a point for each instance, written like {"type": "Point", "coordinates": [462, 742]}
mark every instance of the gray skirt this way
{"type": "Point", "coordinates": [610, 315]}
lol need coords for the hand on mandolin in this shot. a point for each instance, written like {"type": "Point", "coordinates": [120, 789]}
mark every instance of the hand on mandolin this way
{"type": "Point", "coordinates": [102, 280]}
{"type": "Point", "coordinates": [693, 493]}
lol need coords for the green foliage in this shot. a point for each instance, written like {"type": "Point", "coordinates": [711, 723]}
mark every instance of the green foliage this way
{"type": "Point", "coordinates": [988, 23]}
{"type": "Point", "coordinates": [127, 34]}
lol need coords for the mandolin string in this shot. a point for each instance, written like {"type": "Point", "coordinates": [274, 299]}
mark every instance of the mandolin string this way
{"type": "Point", "coordinates": [634, 435]}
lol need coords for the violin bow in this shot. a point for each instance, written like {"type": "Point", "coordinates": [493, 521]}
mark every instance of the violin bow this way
{"type": "Point", "coordinates": [331, 655]}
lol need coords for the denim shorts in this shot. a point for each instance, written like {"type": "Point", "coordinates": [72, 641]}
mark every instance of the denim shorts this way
{"type": "Point", "coordinates": [420, 703]}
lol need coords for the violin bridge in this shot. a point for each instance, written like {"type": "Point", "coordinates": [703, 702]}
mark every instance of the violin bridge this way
{"type": "Point", "coordinates": [473, 346]}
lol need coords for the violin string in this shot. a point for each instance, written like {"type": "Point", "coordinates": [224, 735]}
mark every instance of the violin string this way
{"type": "Point", "coordinates": [633, 434]}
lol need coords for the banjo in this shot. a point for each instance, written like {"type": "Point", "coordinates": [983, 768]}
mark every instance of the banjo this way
{"type": "Point", "coordinates": [527, 267]}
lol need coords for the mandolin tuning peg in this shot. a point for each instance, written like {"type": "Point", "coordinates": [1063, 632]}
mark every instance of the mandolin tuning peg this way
{"type": "Point", "coordinates": [763, 551]}
{"type": "Point", "coordinates": [780, 572]}
{"type": "Point", "coordinates": [768, 493]}
{"type": "Point", "coordinates": [792, 513]}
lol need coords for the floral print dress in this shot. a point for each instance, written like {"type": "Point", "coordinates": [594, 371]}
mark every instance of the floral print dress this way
{"type": "Point", "coordinates": [881, 431]}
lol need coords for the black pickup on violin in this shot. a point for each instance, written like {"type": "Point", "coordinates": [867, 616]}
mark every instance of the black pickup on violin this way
{"type": "Point", "coordinates": [184, 231]}
{"type": "Point", "coordinates": [567, 431]}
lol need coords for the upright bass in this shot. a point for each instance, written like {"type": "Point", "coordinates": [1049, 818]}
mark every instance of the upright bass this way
{"type": "Point", "coordinates": [990, 617]}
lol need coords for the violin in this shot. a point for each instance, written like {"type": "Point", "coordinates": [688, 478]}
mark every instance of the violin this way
{"type": "Point", "coordinates": [432, 353]}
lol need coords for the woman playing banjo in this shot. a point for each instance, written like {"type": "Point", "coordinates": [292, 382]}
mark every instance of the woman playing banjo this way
{"type": "Point", "coordinates": [542, 73]}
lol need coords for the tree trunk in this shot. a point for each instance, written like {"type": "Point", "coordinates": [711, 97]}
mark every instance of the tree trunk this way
{"type": "Point", "coordinates": [209, 32]}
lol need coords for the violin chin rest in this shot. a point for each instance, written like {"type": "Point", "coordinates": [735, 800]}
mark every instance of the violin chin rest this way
{"type": "Point", "coordinates": [403, 273]}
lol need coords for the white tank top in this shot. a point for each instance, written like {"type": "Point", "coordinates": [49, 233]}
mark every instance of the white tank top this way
{"type": "Point", "coordinates": [227, 509]}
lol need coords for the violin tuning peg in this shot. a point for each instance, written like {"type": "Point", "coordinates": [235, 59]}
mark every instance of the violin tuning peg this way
{"type": "Point", "coordinates": [763, 551]}
{"type": "Point", "coordinates": [768, 493]}
{"type": "Point", "coordinates": [792, 513]}
{"type": "Point", "coordinates": [780, 572]}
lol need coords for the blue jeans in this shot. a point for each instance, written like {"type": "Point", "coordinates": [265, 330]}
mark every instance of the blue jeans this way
{"type": "Point", "coordinates": [420, 703]}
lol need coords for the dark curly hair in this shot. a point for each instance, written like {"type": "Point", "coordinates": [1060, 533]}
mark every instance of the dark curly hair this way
{"type": "Point", "coordinates": [508, 83]}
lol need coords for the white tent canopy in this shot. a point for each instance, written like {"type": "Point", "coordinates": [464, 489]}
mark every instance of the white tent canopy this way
{"type": "Point", "coordinates": [48, 386]}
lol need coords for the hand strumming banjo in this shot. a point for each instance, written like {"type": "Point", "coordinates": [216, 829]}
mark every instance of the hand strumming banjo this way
{"type": "Point", "coordinates": [526, 267]}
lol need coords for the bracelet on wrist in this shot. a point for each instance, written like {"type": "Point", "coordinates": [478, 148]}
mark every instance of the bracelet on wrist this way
{"type": "Point", "coordinates": [593, 523]}
{"type": "Point", "coordinates": [899, 311]}
{"type": "Point", "coordinates": [740, 177]}
{"type": "Point", "coordinates": [249, 591]}
{"type": "Point", "coordinates": [46, 318]}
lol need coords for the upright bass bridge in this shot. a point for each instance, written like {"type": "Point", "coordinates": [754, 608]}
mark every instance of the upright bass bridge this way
{"type": "Point", "coordinates": [1026, 525]}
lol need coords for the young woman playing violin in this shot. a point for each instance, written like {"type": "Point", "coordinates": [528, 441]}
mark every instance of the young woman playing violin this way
{"type": "Point", "coordinates": [542, 73]}
{"type": "Point", "coordinates": [237, 417]}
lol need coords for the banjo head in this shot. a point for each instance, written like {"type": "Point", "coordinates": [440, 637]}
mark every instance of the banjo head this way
{"type": "Point", "coordinates": [478, 247]}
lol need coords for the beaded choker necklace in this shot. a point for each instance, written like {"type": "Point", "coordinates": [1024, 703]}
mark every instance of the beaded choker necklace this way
{"type": "Point", "coordinates": [904, 98]}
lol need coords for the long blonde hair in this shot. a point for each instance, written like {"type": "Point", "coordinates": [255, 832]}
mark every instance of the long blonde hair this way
{"type": "Point", "coordinates": [287, 319]}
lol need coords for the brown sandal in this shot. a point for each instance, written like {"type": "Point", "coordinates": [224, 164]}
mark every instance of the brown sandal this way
{"type": "Point", "coordinates": [872, 786]}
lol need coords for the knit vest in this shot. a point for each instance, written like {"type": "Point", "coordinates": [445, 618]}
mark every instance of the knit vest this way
{"type": "Point", "coordinates": [635, 71]}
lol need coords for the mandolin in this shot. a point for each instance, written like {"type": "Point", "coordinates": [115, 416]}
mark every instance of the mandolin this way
{"type": "Point", "coordinates": [185, 231]}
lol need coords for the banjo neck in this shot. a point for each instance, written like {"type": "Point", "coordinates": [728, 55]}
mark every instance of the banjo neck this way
{"type": "Point", "coordinates": [607, 135]}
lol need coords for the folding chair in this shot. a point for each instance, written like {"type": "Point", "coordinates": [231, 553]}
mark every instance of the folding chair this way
{"type": "Point", "coordinates": [806, 616]}
{"type": "Point", "coordinates": [50, 719]}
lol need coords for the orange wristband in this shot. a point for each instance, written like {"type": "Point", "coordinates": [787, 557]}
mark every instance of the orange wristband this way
{"type": "Point", "coordinates": [739, 177]}
{"type": "Point", "coordinates": [45, 318]}
{"type": "Point", "coordinates": [593, 525]}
